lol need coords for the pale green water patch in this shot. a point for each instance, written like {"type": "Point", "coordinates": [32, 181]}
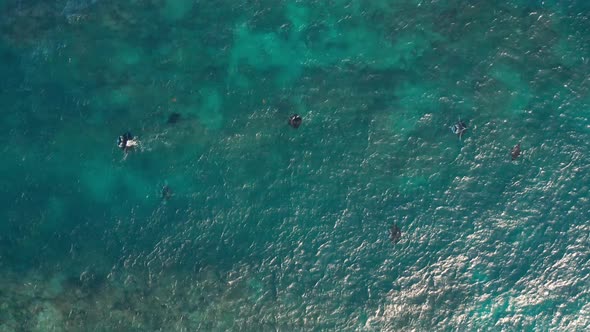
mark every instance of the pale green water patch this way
{"type": "Point", "coordinates": [265, 51]}
{"type": "Point", "coordinates": [517, 93]}
{"type": "Point", "coordinates": [210, 111]}
{"type": "Point", "coordinates": [177, 9]}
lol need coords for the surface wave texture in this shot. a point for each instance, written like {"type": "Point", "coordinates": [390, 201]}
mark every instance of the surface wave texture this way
{"type": "Point", "coordinates": [266, 227]}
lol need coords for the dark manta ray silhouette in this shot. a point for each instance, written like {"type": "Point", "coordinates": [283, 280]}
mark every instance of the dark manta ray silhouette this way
{"type": "Point", "coordinates": [166, 193]}
{"type": "Point", "coordinates": [395, 234]}
{"type": "Point", "coordinates": [173, 118]}
{"type": "Point", "coordinates": [515, 151]}
{"type": "Point", "coordinates": [459, 128]}
{"type": "Point", "coordinates": [295, 121]}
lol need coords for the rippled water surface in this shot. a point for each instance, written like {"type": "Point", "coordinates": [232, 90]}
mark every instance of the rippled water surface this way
{"type": "Point", "coordinates": [274, 228]}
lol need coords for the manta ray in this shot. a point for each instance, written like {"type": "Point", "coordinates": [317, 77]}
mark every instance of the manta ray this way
{"type": "Point", "coordinates": [459, 128]}
{"type": "Point", "coordinates": [515, 151]}
{"type": "Point", "coordinates": [395, 233]}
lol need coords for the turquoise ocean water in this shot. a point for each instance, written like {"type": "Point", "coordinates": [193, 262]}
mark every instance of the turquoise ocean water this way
{"type": "Point", "coordinates": [272, 228]}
